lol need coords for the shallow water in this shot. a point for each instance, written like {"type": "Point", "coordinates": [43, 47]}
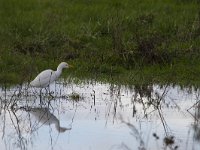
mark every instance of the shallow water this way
{"type": "Point", "coordinates": [96, 116]}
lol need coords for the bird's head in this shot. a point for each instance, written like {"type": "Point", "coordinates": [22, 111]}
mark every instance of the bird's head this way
{"type": "Point", "coordinates": [64, 65]}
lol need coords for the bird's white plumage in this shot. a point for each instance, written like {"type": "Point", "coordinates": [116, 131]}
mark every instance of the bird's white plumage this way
{"type": "Point", "coordinates": [48, 76]}
{"type": "Point", "coordinates": [44, 78]}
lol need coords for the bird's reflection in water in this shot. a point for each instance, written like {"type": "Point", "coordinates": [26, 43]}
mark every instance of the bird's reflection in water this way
{"type": "Point", "coordinates": [45, 117]}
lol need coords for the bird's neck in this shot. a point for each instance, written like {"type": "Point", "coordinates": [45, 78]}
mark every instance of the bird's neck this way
{"type": "Point", "coordinates": [58, 72]}
{"type": "Point", "coordinates": [59, 68]}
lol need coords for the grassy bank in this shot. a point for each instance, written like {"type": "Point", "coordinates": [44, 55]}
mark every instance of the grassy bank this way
{"type": "Point", "coordinates": [150, 41]}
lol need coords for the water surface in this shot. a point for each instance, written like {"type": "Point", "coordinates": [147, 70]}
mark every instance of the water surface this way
{"type": "Point", "coordinates": [96, 116]}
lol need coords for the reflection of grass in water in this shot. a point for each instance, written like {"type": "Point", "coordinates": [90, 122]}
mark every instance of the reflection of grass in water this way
{"type": "Point", "coordinates": [168, 141]}
{"type": "Point", "coordinates": [75, 97]}
{"type": "Point", "coordinates": [144, 92]}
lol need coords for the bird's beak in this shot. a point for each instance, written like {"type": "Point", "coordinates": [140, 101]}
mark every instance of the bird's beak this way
{"type": "Point", "coordinates": [70, 66]}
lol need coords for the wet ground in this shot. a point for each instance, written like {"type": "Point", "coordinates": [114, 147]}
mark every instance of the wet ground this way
{"type": "Point", "coordinates": [96, 116]}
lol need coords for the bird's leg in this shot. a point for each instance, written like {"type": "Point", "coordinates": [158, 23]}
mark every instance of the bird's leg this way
{"type": "Point", "coordinates": [49, 92]}
{"type": "Point", "coordinates": [41, 96]}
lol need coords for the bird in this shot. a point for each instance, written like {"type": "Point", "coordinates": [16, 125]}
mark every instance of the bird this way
{"type": "Point", "coordinates": [46, 77]}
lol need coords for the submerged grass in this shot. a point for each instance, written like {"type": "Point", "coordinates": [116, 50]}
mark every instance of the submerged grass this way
{"type": "Point", "coordinates": [129, 42]}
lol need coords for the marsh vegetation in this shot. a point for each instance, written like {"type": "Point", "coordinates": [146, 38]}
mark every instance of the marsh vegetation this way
{"type": "Point", "coordinates": [135, 81]}
{"type": "Point", "coordinates": [126, 42]}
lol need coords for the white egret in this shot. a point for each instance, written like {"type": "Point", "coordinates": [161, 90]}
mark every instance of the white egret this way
{"type": "Point", "coordinates": [48, 76]}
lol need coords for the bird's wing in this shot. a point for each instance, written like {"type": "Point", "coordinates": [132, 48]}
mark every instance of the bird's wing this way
{"type": "Point", "coordinates": [44, 78]}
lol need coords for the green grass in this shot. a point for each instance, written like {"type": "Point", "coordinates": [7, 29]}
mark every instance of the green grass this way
{"type": "Point", "coordinates": [126, 42]}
